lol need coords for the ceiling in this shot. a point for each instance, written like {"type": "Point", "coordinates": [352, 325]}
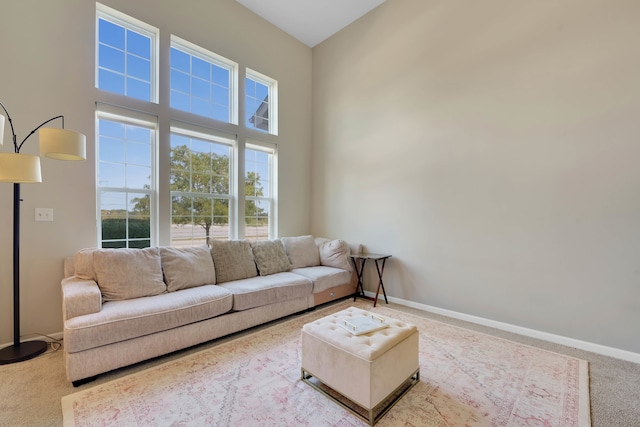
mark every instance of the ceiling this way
{"type": "Point", "coordinates": [311, 21]}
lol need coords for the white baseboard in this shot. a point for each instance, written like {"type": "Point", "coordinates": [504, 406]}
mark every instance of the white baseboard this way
{"type": "Point", "coordinates": [557, 339]}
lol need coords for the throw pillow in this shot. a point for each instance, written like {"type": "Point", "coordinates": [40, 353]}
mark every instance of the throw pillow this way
{"type": "Point", "coordinates": [128, 273]}
{"type": "Point", "coordinates": [302, 251]}
{"type": "Point", "coordinates": [335, 253]}
{"type": "Point", "coordinates": [270, 257]}
{"type": "Point", "coordinates": [187, 267]}
{"type": "Point", "coordinates": [233, 260]}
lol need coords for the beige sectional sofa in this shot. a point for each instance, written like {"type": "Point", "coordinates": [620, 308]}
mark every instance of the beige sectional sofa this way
{"type": "Point", "coordinates": [123, 306]}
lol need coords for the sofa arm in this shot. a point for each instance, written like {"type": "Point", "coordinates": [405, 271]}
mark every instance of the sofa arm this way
{"type": "Point", "coordinates": [80, 297]}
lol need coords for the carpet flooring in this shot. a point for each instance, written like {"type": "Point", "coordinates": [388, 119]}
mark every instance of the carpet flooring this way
{"type": "Point", "coordinates": [31, 391]}
{"type": "Point", "coordinates": [467, 378]}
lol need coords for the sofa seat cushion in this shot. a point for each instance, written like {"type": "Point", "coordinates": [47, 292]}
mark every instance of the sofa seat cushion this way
{"type": "Point", "coordinates": [323, 277]}
{"type": "Point", "coordinates": [263, 290]}
{"type": "Point", "coordinates": [123, 320]}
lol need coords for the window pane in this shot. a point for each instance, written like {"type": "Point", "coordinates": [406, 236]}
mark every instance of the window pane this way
{"type": "Point", "coordinates": [111, 59]}
{"type": "Point", "coordinates": [139, 154]}
{"type": "Point", "coordinates": [139, 222]}
{"type": "Point", "coordinates": [180, 81]}
{"type": "Point", "coordinates": [111, 175]}
{"type": "Point", "coordinates": [199, 176]}
{"type": "Point", "coordinates": [201, 68]}
{"type": "Point", "coordinates": [137, 89]}
{"type": "Point", "coordinates": [260, 95]}
{"type": "Point", "coordinates": [125, 167]}
{"type": "Point", "coordinates": [139, 68]}
{"type": "Point", "coordinates": [111, 34]}
{"type": "Point", "coordinates": [257, 219]}
{"type": "Point", "coordinates": [258, 184]}
{"type": "Point", "coordinates": [113, 209]}
{"type": "Point", "coordinates": [180, 101]}
{"type": "Point", "coordinates": [139, 45]}
{"type": "Point", "coordinates": [257, 105]}
{"type": "Point", "coordinates": [206, 83]}
{"type": "Point", "coordinates": [125, 58]}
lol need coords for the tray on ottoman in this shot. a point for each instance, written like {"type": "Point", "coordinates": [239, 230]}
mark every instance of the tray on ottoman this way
{"type": "Point", "coordinates": [371, 370]}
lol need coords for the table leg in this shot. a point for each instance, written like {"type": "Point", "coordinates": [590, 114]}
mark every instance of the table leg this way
{"type": "Point", "coordinates": [380, 284]}
{"type": "Point", "coordinates": [359, 275]}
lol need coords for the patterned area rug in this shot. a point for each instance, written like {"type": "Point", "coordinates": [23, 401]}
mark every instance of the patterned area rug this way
{"type": "Point", "coordinates": [466, 379]}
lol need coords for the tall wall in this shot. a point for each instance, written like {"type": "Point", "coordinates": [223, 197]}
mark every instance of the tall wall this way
{"type": "Point", "coordinates": [492, 147]}
{"type": "Point", "coordinates": [47, 69]}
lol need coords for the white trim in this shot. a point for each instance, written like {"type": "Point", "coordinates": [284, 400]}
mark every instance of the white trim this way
{"type": "Point", "coordinates": [126, 115]}
{"type": "Point", "coordinates": [532, 333]}
{"type": "Point", "coordinates": [196, 131]}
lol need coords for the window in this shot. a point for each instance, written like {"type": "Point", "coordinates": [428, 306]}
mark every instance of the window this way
{"type": "Point", "coordinates": [201, 187]}
{"type": "Point", "coordinates": [125, 55]}
{"type": "Point", "coordinates": [259, 186]}
{"type": "Point", "coordinates": [260, 102]}
{"type": "Point", "coordinates": [126, 184]}
{"type": "Point", "coordinates": [169, 171]}
{"type": "Point", "coordinates": [202, 82]}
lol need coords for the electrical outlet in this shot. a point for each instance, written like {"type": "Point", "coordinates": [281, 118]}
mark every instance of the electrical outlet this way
{"type": "Point", "coordinates": [44, 214]}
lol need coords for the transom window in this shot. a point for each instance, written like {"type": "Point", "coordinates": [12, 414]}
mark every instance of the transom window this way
{"type": "Point", "coordinates": [125, 55]}
{"type": "Point", "coordinates": [260, 102]}
{"type": "Point", "coordinates": [201, 82]}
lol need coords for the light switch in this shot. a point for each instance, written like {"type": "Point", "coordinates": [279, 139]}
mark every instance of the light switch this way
{"type": "Point", "coordinates": [44, 214]}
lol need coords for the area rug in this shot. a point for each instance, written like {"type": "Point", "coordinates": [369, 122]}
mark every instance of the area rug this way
{"type": "Point", "coordinates": [466, 379]}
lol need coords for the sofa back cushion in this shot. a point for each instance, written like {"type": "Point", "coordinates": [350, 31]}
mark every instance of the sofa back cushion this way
{"type": "Point", "coordinates": [187, 267]}
{"type": "Point", "coordinates": [302, 251]}
{"type": "Point", "coordinates": [270, 257]}
{"type": "Point", "coordinates": [334, 253]}
{"type": "Point", "coordinates": [233, 260]}
{"type": "Point", "coordinates": [83, 264]}
{"type": "Point", "coordinates": [128, 273]}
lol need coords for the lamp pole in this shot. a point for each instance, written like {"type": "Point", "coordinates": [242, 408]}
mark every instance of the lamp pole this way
{"type": "Point", "coordinates": [28, 349]}
{"type": "Point", "coordinates": [21, 351]}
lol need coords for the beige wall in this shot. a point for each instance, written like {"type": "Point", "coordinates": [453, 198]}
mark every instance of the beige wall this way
{"type": "Point", "coordinates": [492, 147]}
{"type": "Point", "coordinates": [47, 68]}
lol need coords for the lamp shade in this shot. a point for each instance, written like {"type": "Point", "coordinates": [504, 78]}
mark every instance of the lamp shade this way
{"type": "Point", "coordinates": [1, 129]}
{"type": "Point", "coordinates": [19, 168]}
{"type": "Point", "coordinates": [62, 144]}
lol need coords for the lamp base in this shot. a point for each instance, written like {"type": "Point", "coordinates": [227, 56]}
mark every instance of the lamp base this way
{"type": "Point", "coordinates": [24, 351]}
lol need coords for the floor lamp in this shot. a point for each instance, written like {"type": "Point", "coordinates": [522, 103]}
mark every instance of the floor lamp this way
{"type": "Point", "coordinates": [20, 168]}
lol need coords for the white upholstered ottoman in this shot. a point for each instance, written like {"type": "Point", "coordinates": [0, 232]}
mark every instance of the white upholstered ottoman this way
{"type": "Point", "coordinates": [372, 370]}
